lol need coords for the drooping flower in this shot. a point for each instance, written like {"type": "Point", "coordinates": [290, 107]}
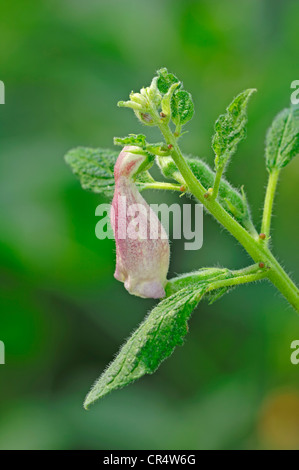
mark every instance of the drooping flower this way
{"type": "Point", "coordinates": [142, 247]}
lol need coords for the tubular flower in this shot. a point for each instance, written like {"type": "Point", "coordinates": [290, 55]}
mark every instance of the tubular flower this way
{"type": "Point", "coordinates": [142, 247]}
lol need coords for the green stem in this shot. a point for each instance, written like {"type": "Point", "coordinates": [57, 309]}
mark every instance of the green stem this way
{"type": "Point", "coordinates": [216, 185]}
{"type": "Point", "coordinates": [252, 269]}
{"type": "Point", "coordinates": [256, 250]}
{"type": "Point", "coordinates": [161, 185]}
{"type": "Point", "coordinates": [268, 204]}
{"type": "Point", "coordinates": [237, 280]}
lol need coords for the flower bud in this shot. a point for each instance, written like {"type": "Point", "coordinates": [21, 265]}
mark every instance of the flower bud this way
{"type": "Point", "coordinates": [142, 247]}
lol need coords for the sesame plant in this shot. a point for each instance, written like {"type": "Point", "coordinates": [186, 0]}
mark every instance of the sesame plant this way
{"type": "Point", "coordinates": [142, 262]}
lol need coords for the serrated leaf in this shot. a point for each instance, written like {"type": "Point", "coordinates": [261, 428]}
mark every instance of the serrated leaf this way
{"type": "Point", "coordinates": [155, 339]}
{"type": "Point", "coordinates": [165, 80]}
{"type": "Point", "coordinates": [282, 141]}
{"type": "Point", "coordinates": [230, 128]}
{"type": "Point", "coordinates": [182, 107]}
{"type": "Point", "coordinates": [94, 168]}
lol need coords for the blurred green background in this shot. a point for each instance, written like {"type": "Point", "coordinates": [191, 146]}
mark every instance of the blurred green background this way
{"type": "Point", "coordinates": [63, 316]}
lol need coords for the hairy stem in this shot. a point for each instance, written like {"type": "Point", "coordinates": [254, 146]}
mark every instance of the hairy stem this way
{"type": "Point", "coordinates": [161, 185]}
{"type": "Point", "coordinates": [242, 279]}
{"type": "Point", "coordinates": [216, 185]}
{"type": "Point", "coordinates": [252, 269]}
{"type": "Point", "coordinates": [268, 204]}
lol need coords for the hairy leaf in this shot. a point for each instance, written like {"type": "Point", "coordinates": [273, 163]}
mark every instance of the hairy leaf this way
{"type": "Point", "coordinates": [182, 107]}
{"type": "Point", "coordinates": [282, 141]}
{"type": "Point", "coordinates": [165, 80]}
{"type": "Point", "coordinates": [155, 339]}
{"type": "Point", "coordinates": [230, 129]}
{"type": "Point", "coordinates": [94, 167]}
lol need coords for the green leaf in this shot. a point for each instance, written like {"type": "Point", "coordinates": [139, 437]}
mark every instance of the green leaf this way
{"type": "Point", "coordinates": [230, 198]}
{"type": "Point", "coordinates": [94, 168]}
{"type": "Point", "coordinates": [282, 141]}
{"type": "Point", "coordinates": [182, 107]}
{"type": "Point", "coordinates": [165, 80]}
{"type": "Point", "coordinates": [230, 129]}
{"type": "Point", "coordinates": [218, 294]}
{"type": "Point", "coordinates": [155, 339]}
{"type": "Point", "coordinates": [132, 139]}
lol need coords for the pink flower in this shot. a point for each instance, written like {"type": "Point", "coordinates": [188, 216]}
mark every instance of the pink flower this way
{"type": "Point", "coordinates": [142, 247]}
